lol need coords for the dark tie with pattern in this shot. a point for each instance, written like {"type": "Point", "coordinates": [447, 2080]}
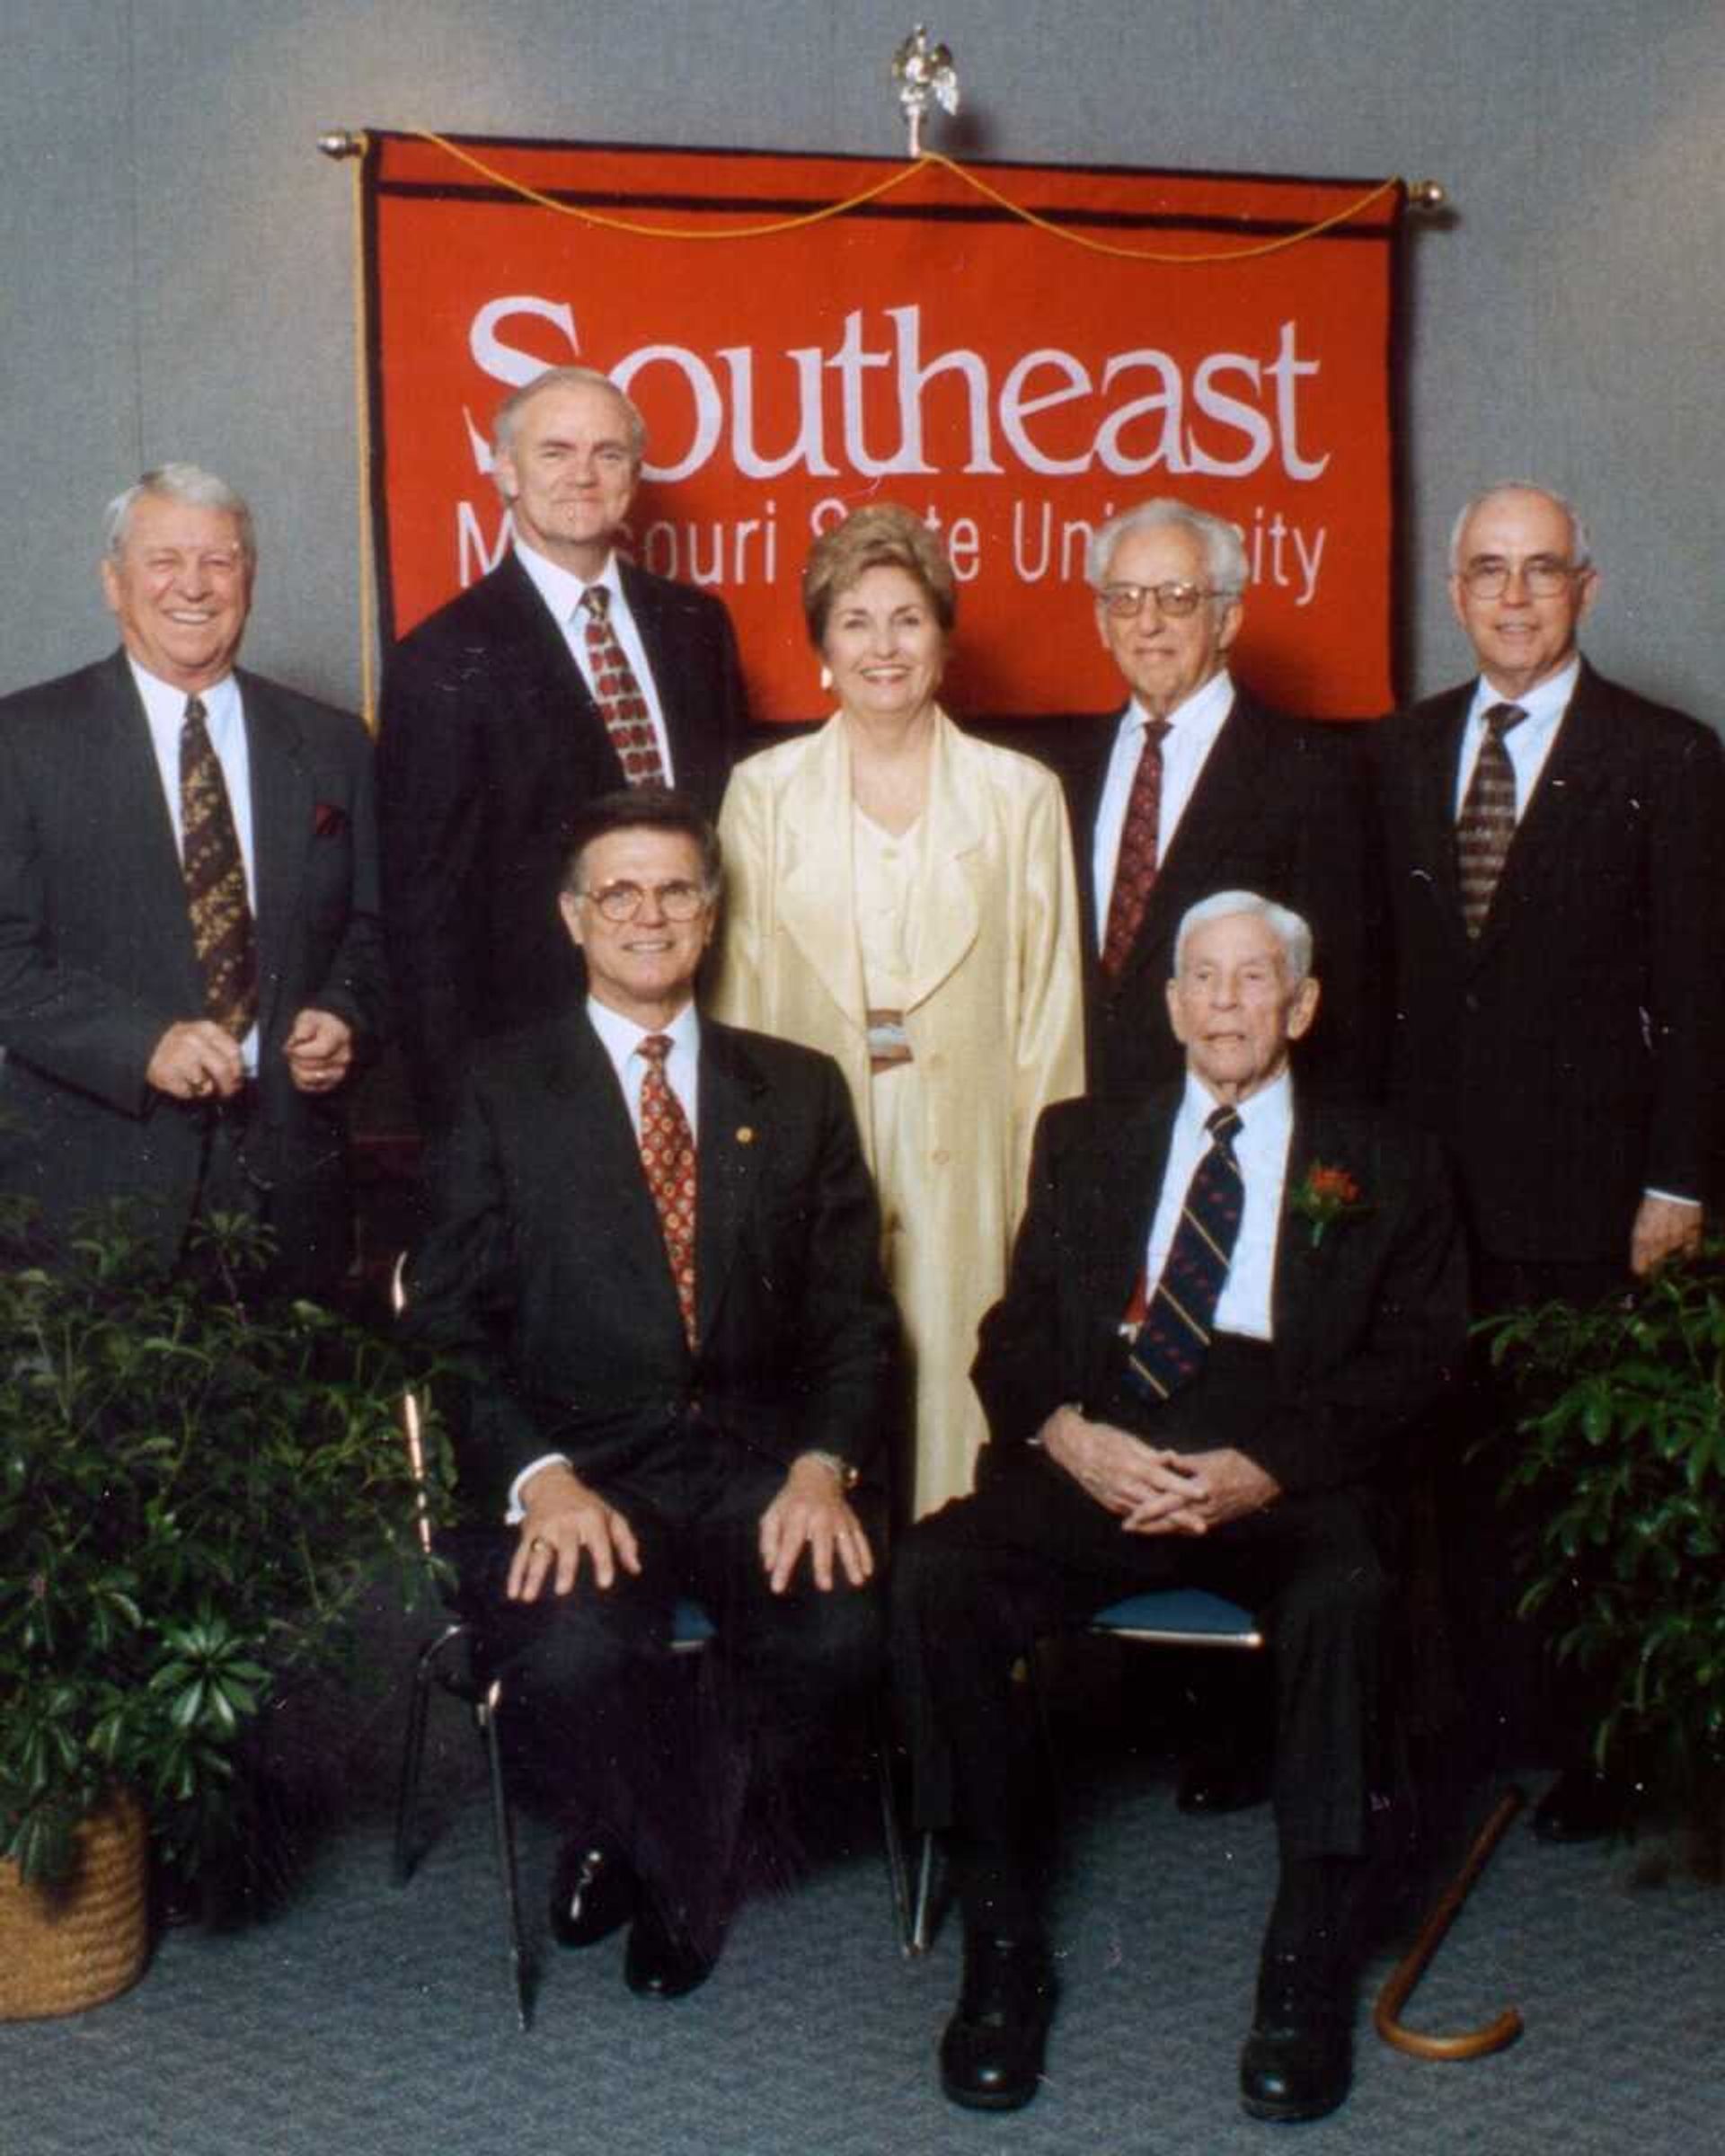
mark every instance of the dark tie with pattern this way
{"type": "Point", "coordinates": [221, 930]}
{"type": "Point", "coordinates": [668, 1157]}
{"type": "Point", "coordinates": [1135, 869]}
{"type": "Point", "coordinates": [621, 705]}
{"type": "Point", "coordinates": [1488, 819]}
{"type": "Point", "coordinates": [1174, 1337]}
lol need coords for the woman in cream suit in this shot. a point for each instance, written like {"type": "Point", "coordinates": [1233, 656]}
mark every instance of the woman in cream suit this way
{"type": "Point", "coordinates": [902, 896]}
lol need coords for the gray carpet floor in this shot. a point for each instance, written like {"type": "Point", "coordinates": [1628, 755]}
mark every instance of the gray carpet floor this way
{"type": "Point", "coordinates": [364, 2021]}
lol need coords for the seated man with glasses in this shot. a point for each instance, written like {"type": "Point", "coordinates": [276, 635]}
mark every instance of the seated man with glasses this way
{"type": "Point", "coordinates": [657, 1244]}
{"type": "Point", "coordinates": [1196, 787]}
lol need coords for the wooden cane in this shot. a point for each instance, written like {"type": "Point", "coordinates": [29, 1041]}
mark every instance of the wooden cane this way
{"type": "Point", "coordinates": [1398, 1988]}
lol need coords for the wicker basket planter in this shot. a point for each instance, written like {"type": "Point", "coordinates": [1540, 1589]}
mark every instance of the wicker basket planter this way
{"type": "Point", "coordinates": [63, 1950]}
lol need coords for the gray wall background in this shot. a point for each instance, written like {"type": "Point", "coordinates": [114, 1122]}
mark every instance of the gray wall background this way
{"type": "Point", "coordinates": [174, 252]}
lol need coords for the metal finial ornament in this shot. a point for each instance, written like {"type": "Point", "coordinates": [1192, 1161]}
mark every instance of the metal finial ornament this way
{"type": "Point", "coordinates": [923, 74]}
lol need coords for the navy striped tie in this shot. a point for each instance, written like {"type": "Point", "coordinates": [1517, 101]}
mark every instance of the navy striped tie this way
{"type": "Point", "coordinates": [1169, 1346]}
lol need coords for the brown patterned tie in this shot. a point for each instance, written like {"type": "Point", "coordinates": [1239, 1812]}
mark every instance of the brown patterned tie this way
{"type": "Point", "coordinates": [221, 930]}
{"type": "Point", "coordinates": [1488, 819]}
{"type": "Point", "coordinates": [621, 705]}
{"type": "Point", "coordinates": [668, 1158]}
{"type": "Point", "coordinates": [1135, 871]}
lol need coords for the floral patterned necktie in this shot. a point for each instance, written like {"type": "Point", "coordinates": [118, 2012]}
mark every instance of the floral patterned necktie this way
{"type": "Point", "coordinates": [668, 1158]}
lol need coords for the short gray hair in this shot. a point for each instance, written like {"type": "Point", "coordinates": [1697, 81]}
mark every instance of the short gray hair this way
{"type": "Point", "coordinates": [1225, 552]}
{"type": "Point", "coordinates": [1579, 544]}
{"type": "Point", "coordinates": [1291, 931]}
{"type": "Point", "coordinates": [179, 482]}
{"type": "Point", "coordinates": [508, 412]}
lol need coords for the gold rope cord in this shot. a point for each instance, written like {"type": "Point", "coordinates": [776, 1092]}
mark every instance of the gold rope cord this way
{"type": "Point", "coordinates": [929, 160]}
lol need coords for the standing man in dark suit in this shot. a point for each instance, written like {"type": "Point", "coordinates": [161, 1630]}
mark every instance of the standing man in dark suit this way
{"type": "Point", "coordinates": [1235, 1427]}
{"type": "Point", "coordinates": [657, 1236]}
{"type": "Point", "coordinates": [564, 674]}
{"type": "Point", "coordinates": [1552, 847]}
{"type": "Point", "coordinates": [1196, 787]}
{"type": "Point", "coordinates": [191, 953]}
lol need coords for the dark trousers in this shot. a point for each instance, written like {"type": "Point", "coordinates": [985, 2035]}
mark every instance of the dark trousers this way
{"type": "Point", "coordinates": [1031, 1553]}
{"type": "Point", "coordinates": [630, 1743]}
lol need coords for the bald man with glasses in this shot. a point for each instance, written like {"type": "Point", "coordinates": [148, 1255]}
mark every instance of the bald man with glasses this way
{"type": "Point", "coordinates": [1551, 840]}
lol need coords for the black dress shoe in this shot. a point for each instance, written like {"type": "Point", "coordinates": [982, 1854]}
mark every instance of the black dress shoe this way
{"type": "Point", "coordinates": [593, 1892]}
{"type": "Point", "coordinates": [661, 1961]}
{"type": "Point", "coordinates": [1298, 2062]}
{"type": "Point", "coordinates": [1582, 1804]}
{"type": "Point", "coordinates": [1214, 1783]}
{"type": "Point", "coordinates": [991, 2054]}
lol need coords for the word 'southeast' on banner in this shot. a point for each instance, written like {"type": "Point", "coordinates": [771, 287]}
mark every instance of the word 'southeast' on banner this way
{"type": "Point", "coordinates": [1015, 351]}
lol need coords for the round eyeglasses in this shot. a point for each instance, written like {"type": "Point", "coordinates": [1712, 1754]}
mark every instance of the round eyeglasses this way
{"type": "Point", "coordinates": [621, 901]}
{"type": "Point", "coordinates": [1542, 576]}
{"type": "Point", "coordinates": [1125, 602]}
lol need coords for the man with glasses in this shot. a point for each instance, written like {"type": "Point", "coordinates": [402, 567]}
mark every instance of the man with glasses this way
{"type": "Point", "coordinates": [656, 1238]}
{"type": "Point", "coordinates": [1552, 843]}
{"type": "Point", "coordinates": [1198, 787]}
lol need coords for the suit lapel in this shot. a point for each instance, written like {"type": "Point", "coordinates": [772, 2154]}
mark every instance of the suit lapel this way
{"type": "Point", "coordinates": [1116, 1210]}
{"type": "Point", "coordinates": [595, 1158]}
{"type": "Point", "coordinates": [735, 1138]}
{"type": "Point", "coordinates": [142, 861]}
{"type": "Point", "coordinates": [947, 916]}
{"type": "Point", "coordinates": [1580, 756]}
{"type": "Point", "coordinates": [1306, 1273]}
{"type": "Point", "coordinates": [282, 812]}
{"type": "Point", "coordinates": [818, 875]}
{"type": "Point", "coordinates": [1229, 787]}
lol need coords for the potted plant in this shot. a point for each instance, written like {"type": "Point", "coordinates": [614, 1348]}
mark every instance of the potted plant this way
{"type": "Point", "coordinates": [197, 1484]}
{"type": "Point", "coordinates": [1623, 1444]}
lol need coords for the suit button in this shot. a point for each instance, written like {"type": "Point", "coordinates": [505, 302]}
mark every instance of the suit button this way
{"type": "Point", "coordinates": [939, 1156]}
{"type": "Point", "coordinates": [1470, 1002]}
{"type": "Point", "coordinates": [936, 1063]}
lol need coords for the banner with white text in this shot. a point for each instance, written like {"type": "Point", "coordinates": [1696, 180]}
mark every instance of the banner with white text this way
{"type": "Point", "coordinates": [1015, 351]}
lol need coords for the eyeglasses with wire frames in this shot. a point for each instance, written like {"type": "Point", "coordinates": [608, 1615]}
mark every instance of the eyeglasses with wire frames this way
{"type": "Point", "coordinates": [1125, 602]}
{"type": "Point", "coordinates": [1542, 575]}
{"type": "Point", "coordinates": [679, 900]}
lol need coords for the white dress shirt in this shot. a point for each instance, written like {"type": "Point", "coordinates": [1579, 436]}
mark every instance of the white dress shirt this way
{"type": "Point", "coordinates": [1261, 1146]}
{"type": "Point", "coordinates": [1529, 743]}
{"type": "Point", "coordinates": [621, 1038]}
{"type": "Point", "coordinates": [1192, 728]}
{"type": "Point", "coordinates": [165, 708]}
{"type": "Point", "coordinates": [562, 593]}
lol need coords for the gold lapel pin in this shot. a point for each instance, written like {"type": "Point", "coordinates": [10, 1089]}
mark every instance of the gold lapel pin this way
{"type": "Point", "coordinates": [745, 1135]}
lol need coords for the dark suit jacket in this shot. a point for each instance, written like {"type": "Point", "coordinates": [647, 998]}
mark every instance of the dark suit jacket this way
{"type": "Point", "coordinates": [545, 1262]}
{"type": "Point", "coordinates": [1280, 808]}
{"type": "Point", "coordinates": [1367, 1324]}
{"type": "Point", "coordinates": [96, 957]}
{"type": "Point", "coordinates": [489, 740]}
{"type": "Point", "coordinates": [1571, 1057]}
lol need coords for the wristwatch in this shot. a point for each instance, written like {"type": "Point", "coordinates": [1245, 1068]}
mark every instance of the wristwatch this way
{"type": "Point", "coordinates": [843, 1471]}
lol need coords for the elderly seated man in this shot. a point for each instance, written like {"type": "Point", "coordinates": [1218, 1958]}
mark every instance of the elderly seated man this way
{"type": "Point", "coordinates": [1228, 1303]}
{"type": "Point", "coordinates": [656, 1237]}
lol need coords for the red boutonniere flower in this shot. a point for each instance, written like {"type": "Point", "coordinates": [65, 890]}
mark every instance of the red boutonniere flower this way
{"type": "Point", "coordinates": [1326, 1195]}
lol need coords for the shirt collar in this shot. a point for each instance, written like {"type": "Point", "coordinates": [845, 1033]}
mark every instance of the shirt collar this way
{"type": "Point", "coordinates": [561, 589]}
{"type": "Point", "coordinates": [1199, 718]}
{"type": "Point", "coordinates": [1264, 1118]}
{"type": "Point", "coordinates": [1544, 704]}
{"type": "Point", "coordinates": [620, 1036]}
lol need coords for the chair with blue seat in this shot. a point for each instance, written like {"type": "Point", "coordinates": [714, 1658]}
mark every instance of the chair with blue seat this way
{"type": "Point", "coordinates": [1186, 1617]}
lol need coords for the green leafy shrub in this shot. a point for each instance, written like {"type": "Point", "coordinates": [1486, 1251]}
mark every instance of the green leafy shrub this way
{"type": "Point", "coordinates": [196, 1483]}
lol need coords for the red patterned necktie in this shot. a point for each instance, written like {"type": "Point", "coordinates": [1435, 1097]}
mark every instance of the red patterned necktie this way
{"type": "Point", "coordinates": [1135, 871]}
{"type": "Point", "coordinates": [668, 1157]}
{"type": "Point", "coordinates": [1487, 823]}
{"type": "Point", "coordinates": [222, 931]}
{"type": "Point", "coordinates": [621, 705]}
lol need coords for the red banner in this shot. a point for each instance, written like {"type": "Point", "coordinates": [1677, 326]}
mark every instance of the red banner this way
{"type": "Point", "coordinates": [988, 345]}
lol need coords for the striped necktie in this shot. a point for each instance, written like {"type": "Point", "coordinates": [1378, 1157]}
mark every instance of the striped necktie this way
{"type": "Point", "coordinates": [1168, 1348]}
{"type": "Point", "coordinates": [1487, 823]}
